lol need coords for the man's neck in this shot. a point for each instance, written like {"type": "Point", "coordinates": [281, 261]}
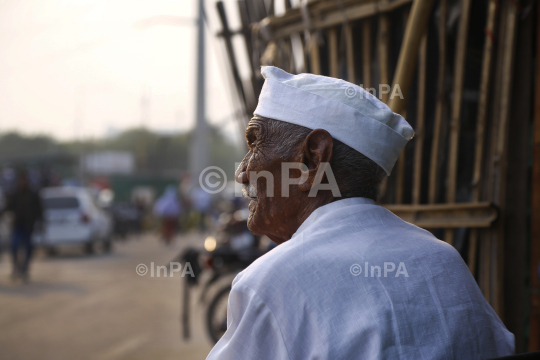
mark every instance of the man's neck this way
{"type": "Point", "coordinates": [308, 206]}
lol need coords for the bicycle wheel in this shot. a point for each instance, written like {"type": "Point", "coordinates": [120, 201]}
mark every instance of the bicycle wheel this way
{"type": "Point", "coordinates": [216, 316]}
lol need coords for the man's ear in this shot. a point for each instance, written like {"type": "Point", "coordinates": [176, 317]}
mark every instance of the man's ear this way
{"type": "Point", "coordinates": [316, 149]}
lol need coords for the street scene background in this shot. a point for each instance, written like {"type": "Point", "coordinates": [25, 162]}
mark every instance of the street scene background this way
{"type": "Point", "coordinates": [109, 110]}
{"type": "Point", "coordinates": [121, 122]}
{"type": "Point", "coordinates": [97, 307]}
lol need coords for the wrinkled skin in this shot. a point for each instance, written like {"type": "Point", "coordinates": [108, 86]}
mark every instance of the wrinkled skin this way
{"type": "Point", "coordinates": [279, 217]}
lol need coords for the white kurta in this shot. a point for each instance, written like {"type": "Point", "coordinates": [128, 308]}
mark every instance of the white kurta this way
{"type": "Point", "coordinates": [310, 298]}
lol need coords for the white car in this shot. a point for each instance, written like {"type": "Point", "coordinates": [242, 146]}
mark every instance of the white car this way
{"type": "Point", "coordinates": [71, 218]}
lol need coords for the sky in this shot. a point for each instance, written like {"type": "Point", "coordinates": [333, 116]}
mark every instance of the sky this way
{"type": "Point", "coordinates": [78, 69]}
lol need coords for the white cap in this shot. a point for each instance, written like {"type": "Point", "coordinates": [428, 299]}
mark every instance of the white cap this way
{"type": "Point", "coordinates": [349, 113]}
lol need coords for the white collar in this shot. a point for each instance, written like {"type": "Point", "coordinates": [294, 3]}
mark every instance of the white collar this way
{"type": "Point", "coordinates": [328, 208]}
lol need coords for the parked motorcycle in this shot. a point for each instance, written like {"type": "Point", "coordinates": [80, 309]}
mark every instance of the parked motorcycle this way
{"type": "Point", "coordinates": [228, 251]}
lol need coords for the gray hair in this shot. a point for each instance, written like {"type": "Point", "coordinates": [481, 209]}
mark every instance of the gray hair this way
{"type": "Point", "coordinates": [356, 174]}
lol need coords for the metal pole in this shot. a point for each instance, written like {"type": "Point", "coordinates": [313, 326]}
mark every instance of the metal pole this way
{"type": "Point", "coordinates": [199, 154]}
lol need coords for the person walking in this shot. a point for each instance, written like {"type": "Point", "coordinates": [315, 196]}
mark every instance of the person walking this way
{"type": "Point", "coordinates": [25, 205]}
{"type": "Point", "coordinates": [168, 208]}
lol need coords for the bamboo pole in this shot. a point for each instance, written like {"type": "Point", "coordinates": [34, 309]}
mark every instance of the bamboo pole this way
{"type": "Point", "coordinates": [298, 53]}
{"type": "Point", "coordinates": [502, 153]}
{"type": "Point", "coordinates": [382, 58]}
{"type": "Point", "coordinates": [483, 101]}
{"type": "Point", "coordinates": [491, 282]}
{"type": "Point", "coordinates": [487, 237]}
{"type": "Point", "coordinates": [289, 55]}
{"type": "Point", "coordinates": [314, 58]}
{"type": "Point", "coordinates": [351, 76]}
{"type": "Point", "coordinates": [333, 11]}
{"type": "Point", "coordinates": [432, 216]}
{"type": "Point", "coordinates": [333, 52]}
{"type": "Point", "coordinates": [366, 53]}
{"type": "Point", "coordinates": [383, 44]}
{"type": "Point", "coordinates": [285, 55]}
{"type": "Point", "coordinates": [493, 160]}
{"type": "Point", "coordinates": [415, 29]}
{"type": "Point", "coordinates": [481, 125]}
{"type": "Point", "coordinates": [534, 337]}
{"type": "Point", "coordinates": [457, 94]}
{"type": "Point", "coordinates": [473, 250]}
{"type": "Point", "coordinates": [439, 107]}
{"type": "Point", "coordinates": [419, 131]}
{"type": "Point", "coordinates": [227, 37]}
{"type": "Point", "coordinates": [400, 175]}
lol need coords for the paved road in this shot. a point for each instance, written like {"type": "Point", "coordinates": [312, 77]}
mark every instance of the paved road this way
{"type": "Point", "coordinates": [97, 307]}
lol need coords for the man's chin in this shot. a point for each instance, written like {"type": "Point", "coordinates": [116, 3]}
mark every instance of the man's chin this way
{"type": "Point", "coordinates": [252, 206]}
{"type": "Point", "coordinates": [252, 221]}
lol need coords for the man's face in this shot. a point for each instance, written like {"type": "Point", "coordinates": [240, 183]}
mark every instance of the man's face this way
{"type": "Point", "coordinates": [274, 216]}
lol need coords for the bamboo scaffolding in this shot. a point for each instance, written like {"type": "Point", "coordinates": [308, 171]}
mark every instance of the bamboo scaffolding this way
{"type": "Point", "coordinates": [490, 139]}
{"type": "Point", "coordinates": [291, 22]}
{"type": "Point", "coordinates": [490, 148]}
{"type": "Point", "coordinates": [481, 125]}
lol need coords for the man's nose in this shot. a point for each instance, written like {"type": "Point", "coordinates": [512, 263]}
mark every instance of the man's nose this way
{"type": "Point", "coordinates": [241, 174]}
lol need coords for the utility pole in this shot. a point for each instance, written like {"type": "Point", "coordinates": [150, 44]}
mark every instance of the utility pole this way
{"type": "Point", "coordinates": [142, 146]}
{"type": "Point", "coordinates": [199, 153]}
{"type": "Point", "coordinates": [80, 99]}
{"type": "Point", "coordinates": [144, 100]}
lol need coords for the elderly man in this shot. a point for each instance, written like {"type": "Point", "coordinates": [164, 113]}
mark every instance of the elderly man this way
{"type": "Point", "coordinates": [349, 280]}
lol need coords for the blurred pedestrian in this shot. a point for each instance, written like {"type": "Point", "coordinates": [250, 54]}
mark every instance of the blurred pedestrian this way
{"type": "Point", "coordinates": [25, 205]}
{"type": "Point", "coordinates": [202, 203]}
{"type": "Point", "coordinates": [168, 208]}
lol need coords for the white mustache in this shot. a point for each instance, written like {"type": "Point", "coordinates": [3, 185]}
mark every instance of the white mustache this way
{"type": "Point", "coordinates": [249, 191]}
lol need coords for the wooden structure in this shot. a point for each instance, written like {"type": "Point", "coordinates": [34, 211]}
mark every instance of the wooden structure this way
{"type": "Point", "coordinates": [464, 69]}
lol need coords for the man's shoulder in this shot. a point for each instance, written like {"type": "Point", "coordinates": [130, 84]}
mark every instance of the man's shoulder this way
{"type": "Point", "coordinates": [270, 264]}
{"type": "Point", "coordinates": [327, 248]}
